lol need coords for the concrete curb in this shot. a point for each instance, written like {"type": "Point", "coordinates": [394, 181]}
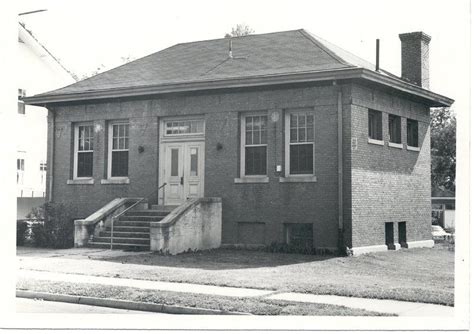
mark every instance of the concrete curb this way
{"type": "Point", "coordinates": [122, 304]}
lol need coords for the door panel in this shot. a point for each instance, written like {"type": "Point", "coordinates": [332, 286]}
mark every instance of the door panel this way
{"type": "Point", "coordinates": [173, 173]}
{"type": "Point", "coordinates": [183, 171]}
{"type": "Point", "coordinates": [193, 170]}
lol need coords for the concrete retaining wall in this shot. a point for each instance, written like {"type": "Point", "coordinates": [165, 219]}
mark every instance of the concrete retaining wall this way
{"type": "Point", "coordinates": [195, 225]}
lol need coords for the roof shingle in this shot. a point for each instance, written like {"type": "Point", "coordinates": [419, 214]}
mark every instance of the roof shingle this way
{"type": "Point", "coordinates": [253, 55]}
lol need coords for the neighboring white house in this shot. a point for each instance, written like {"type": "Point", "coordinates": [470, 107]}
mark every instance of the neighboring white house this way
{"type": "Point", "coordinates": [39, 71]}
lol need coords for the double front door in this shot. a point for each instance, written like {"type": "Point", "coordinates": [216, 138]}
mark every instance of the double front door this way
{"type": "Point", "coordinates": [182, 170]}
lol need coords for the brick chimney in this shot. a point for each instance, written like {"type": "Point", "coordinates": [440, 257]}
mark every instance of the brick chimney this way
{"type": "Point", "coordinates": [415, 58]}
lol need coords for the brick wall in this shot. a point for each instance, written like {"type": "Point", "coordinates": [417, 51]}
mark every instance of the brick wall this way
{"type": "Point", "coordinates": [381, 183]}
{"type": "Point", "coordinates": [388, 184]}
{"type": "Point", "coordinates": [272, 203]}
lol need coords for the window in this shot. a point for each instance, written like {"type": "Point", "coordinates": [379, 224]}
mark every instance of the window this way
{"type": "Point", "coordinates": [43, 171]}
{"type": "Point", "coordinates": [184, 127]}
{"type": "Point", "coordinates": [118, 150]}
{"type": "Point", "coordinates": [299, 235]}
{"type": "Point", "coordinates": [375, 124]}
{"type": "Point", "coordinates": [412, 133]}
{"type": "Point", "coordinates": [21, 104]}
{"type": "Point", "coordinates": [84, 151]}
{"type": "Point", "coordinates": [254, 145]}
{"type": "Point", "coordinates": [300, 126]}
{"type": "Point", "coordinates": [20, 170]}
{"type": "Point", "coordinates": [395, 129]}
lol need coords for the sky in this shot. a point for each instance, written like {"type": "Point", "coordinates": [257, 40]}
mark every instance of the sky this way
{"type": "Point", "coordinates": [87, 34]}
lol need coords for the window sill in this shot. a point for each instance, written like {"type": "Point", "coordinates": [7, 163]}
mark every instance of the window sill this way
{"type": "Point", "coordinates": [395, 145]}
{"type": "Point", "coordinates": [81, 181]}
{"type": "Point", "coordinates": [375, 141]}
{"type": "Point", "coordinates": [413, 148]}
{"type": "Point", "coordinates": [122, 180]}
{"type": "Point", "coordinates": [252, 179]}
{"type": "Point", "coordinates": [295, 178]}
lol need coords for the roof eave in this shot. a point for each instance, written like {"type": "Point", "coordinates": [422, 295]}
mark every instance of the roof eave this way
{"type": "Point", "coordinates": [435, 100]}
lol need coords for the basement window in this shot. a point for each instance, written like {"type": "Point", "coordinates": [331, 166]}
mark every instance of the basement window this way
{"type": "Point", "coordinates": [299, 235]}
{"type": "Point", "coordinates": [412, 133]}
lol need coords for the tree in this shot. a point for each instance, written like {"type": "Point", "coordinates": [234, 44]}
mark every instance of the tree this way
{"type": "Point", "coordinates": [101, 68]}
{"type": "Point", "coordinates": [443, 148]}
{"type": "Point", "coordinates": [240, 30]}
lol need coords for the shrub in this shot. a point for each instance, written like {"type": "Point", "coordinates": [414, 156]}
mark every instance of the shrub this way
{"type": "Point", "coordinates": [53, 226]}
{"type": "Point", "coordinates": [21, 232]}
{"type": "Point", "coordinates": [281, 247]}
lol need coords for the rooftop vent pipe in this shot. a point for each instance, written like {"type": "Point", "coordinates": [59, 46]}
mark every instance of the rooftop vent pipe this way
{"type": "Point", "coordinates": [377, 54]}
{"type": "Point", "coordinates": [230, 47]}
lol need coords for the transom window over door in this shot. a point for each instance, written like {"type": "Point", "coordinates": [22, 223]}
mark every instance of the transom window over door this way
{"type": "Point", "coordinates": [184, 127]}
{"type": "Point", "coordinates": [300, 144]}
{"type": "Point", "coordinates": [254, 145]}
{"type": "Point", "coordinates": [118, 150]}
{"type": "Point", "coordinates": [84, 151]}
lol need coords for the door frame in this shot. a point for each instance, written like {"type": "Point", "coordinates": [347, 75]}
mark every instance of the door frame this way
{"type": "Point", "coordinates": [182, 138]}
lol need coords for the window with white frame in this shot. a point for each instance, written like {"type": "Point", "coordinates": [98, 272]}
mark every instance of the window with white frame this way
{"type": "Point", "coordinates": [254, 145]}
{"type": "Point", "coordinates": [299, 127]}
{"type": "Point", "coordinates": [118, 150]}
{"type": "Point", "coordinates": [84, 150]}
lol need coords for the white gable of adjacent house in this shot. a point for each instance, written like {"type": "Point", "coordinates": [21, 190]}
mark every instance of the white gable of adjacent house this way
{"type": "Point", "coordinates": [38, 71]}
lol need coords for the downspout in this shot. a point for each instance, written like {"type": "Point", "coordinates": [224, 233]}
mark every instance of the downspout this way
{"type": "Point", "coordinates": [340, 169]}
{"type": "Point", "coordinates": [51, 154]}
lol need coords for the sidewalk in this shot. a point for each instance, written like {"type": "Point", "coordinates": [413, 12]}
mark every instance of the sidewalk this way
{"type": "Point", "coordinates": [387, 306]}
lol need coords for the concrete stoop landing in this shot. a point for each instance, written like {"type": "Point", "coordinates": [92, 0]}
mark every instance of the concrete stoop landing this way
{"type": "Point", "coordinates": [194, 225]}
{"type": "Point", "coordinates": [131, 231]}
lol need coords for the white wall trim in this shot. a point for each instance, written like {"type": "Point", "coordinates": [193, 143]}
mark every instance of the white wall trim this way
{"type": "Point", "coordinates": [252, 179]}
{"type": "Point", "coordinates": [116, 180]}
{"type": "Point", "coordinates": [395, 145]}
{"type": "Point", "coordinates": [356, 251]}
{"type": "Point", "coordinates": [298, 178]}
{"type": "Point", "coordinates": [420, 244]}
{"type": "Point", "coordinates": [413, 148]}
{"type": "Point", "coordinates": [375, 141]}
{"type": "Point", "coordinates": [81, 181]}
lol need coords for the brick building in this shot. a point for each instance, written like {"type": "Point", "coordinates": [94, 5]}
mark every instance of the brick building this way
{"type": "Point", "coordinates": [303, 141]}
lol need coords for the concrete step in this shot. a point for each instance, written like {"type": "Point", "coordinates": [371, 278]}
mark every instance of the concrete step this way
{"type": "Point", "coordinates": [132, 223]}
{"type": "Point", "coordinates": [141, 218]}
{"type": "Point", "coordinates": [147, 213]}
{"type": "Point", "coordinates": [125, 234]}
{"type": "Point", "coordinates": [128, 228]}
{"type": "Point", "coordinates": [163, 207]}
{"type": "Point", "coordinates": [119, 240]}
{"type": "Point", "coordinates": [137, 247]}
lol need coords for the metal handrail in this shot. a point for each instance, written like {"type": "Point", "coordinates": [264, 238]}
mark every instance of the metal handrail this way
{"type": "Point", "coordinates": [126, 210]}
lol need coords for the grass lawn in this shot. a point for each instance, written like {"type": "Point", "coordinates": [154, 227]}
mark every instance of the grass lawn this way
{"type": "Point", "coordinates": [256, 306]}
{"type": "Point", "coordinates": [421, 275]}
